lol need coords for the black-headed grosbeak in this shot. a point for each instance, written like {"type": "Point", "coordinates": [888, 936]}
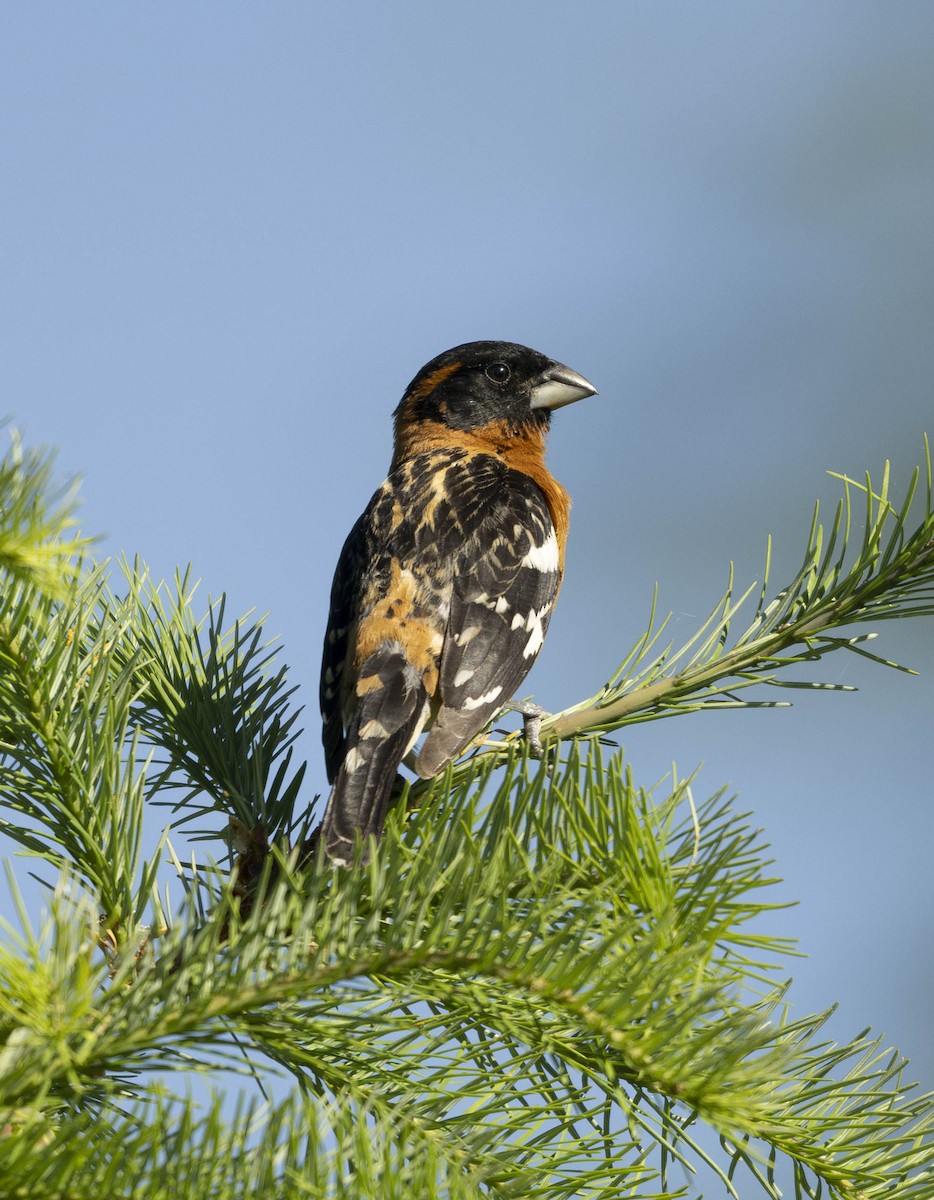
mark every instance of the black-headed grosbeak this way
{"type": "Point", "coordinates": [445, 586]}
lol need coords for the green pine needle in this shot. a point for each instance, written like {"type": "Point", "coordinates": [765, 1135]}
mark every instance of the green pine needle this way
{"type": "Point", "coordinates": [548, 981]}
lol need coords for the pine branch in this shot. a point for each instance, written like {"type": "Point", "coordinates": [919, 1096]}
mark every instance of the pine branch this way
{"type": "Point", "coordinates": [889, 574]}
{"type": "Point", "coordinates": [168, 1149]}
{"type": "Point", "coordinates": [214, 702]}
{"type": "Point", "coordinates": [36, 517]}
{"type": "Point", "coordinates": [66, 712]}
{"type": "Point", "coordinates": [546, 981]}
{"type": "Point", "coordinates": [538, 987]}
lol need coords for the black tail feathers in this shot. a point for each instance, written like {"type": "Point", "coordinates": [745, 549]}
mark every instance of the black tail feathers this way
{"type": "Point", "coordinates": [392, 709]}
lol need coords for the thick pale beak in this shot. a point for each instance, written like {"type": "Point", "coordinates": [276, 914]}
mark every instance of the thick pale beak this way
{"type": "Point", "coordinates": [558, 385]}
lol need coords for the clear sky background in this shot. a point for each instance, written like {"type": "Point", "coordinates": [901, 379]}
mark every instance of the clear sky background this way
{"type": "Point", "coordinates": [231, 233]}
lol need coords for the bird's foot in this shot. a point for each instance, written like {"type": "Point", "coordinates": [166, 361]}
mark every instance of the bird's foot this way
{"type": "Point", "coordinates": [532, 716]}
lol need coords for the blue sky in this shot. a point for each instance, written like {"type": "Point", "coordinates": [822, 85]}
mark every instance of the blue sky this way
{"type": "Point", "coordinates": [231, 233]}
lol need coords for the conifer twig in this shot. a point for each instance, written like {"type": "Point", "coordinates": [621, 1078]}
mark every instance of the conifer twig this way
{"type": "Point", "coordinates": [891, 575]}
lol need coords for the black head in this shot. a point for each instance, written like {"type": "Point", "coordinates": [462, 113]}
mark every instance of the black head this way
{"type": "Point", "coordinates": [476, 383]}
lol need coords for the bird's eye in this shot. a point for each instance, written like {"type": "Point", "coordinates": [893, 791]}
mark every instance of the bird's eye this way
{"type": "Point", "coordinates": [498, 372]}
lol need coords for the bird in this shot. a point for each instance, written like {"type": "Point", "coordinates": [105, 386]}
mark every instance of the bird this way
{"type": "Point", "coordinates": [446, 584]}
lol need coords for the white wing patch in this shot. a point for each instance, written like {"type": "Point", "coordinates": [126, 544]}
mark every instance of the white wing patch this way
{"type": "Point", "coordinates": [536, 633]}
{"type": "Point", "coordinates": [480, 701]}
{"type": "Point", "coordinates": [353, 760]}
{"type": "Point", "coordinates": [419, 726]}
{"type": "Point", "coordinates": [534, 623]}
{"type": "Point", "coordinates": [544, 557]}
{"type": "Point", "coordinates": [498, 605]}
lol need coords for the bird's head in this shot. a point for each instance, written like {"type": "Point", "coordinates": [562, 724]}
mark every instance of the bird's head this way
{"type": "Point", "coordinates": [481, 384]}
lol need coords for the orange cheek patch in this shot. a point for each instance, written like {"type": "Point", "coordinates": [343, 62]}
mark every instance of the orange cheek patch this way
{"type": "Point", "coordinates": [430, 382]}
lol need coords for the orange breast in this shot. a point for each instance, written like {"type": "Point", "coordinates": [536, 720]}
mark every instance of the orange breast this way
{"type": "Point", "coordinates": [523, 452]}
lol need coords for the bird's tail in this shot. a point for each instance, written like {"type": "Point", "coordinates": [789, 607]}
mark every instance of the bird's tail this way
{"type": "Point", "coordinates": [391, 712]}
